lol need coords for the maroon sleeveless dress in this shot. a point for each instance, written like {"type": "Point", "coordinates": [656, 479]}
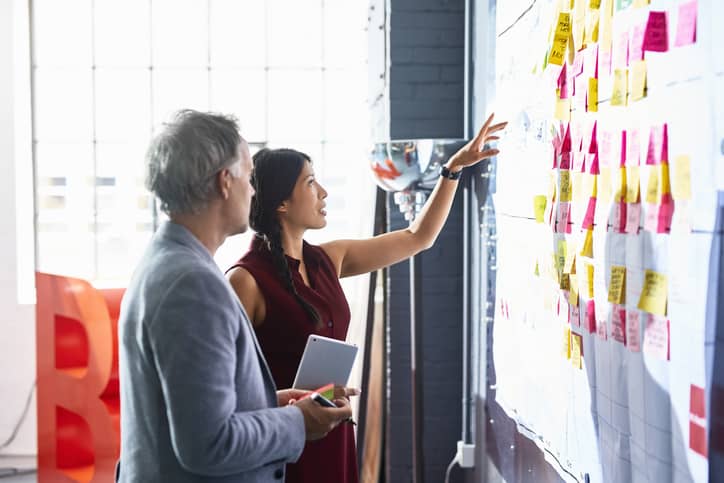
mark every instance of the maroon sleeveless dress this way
{"type": "Point", "coordinates": [283, 336]}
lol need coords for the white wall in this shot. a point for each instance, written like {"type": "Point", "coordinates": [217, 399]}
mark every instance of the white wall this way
{"type": "Point", "coordinates": [17, 310]}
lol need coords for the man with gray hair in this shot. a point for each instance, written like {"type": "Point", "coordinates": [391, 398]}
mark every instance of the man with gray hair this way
{"type": "Point", "coordinates": [198, 402]}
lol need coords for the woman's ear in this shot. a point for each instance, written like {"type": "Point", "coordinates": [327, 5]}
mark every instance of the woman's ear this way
{"type": "Point", "coordinates": [283, 207]}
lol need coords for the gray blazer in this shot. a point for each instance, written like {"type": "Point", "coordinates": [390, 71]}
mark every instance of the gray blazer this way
{"type": "Point", "coordinates": [198, 402]}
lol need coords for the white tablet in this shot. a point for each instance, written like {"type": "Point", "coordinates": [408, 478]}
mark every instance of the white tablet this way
{"type": "Point", "coordinates": [324, 360]}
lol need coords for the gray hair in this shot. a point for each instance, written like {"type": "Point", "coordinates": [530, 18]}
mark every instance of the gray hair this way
{"type": "Point", "coordinates": [182, 160]}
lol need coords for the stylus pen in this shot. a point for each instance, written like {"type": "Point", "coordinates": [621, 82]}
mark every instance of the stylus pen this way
{"type": "Point", "coordinates": [326, 402]}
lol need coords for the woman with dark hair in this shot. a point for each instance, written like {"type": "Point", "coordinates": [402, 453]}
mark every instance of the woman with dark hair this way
{"type": "Point", "coordinates": [290, 289]}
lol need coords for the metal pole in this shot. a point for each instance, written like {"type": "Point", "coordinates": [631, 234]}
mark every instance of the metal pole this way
{"type": "Point", "coordinates": [416, 362]}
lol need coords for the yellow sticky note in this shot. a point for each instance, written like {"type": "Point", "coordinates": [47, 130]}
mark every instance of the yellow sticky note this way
{"type": "Point", "coordinates": [619, 185]}
{"type": "Point", "coordinates": [576, 351]}
{"type": "Point", "coordinates": [560, 39]}
{"type": "Point", "coordinates": [561, 255]}
{"type": "Point", "coordinates": [565, 281]}
{"type": "Point", "coordinates": [682, 178]}
{"type": "Point", "coordinates": [536, 272]}
{"type": "Point", "coordinates": [589, 275]}
{"type": "Point", "coordinates": [595, 4]}
{"type": "Point", "coordinates": [579, 27]}
{"type": "Point", "coordinates": [620, 87]}
{"type": "Point", "coordinates": [565, 177]}
{"type": "Point", "coordinates": [604, 185]}
{"type": "Point", "coordinates": [664, 182]}
{"type": "Point", "coordinates": [617, 285]}
{"type": "Point", "coordinates": [590, 185]}
{"type": "Point", "coordinates": [633, 183]}
{"type": "Point", "coordinates": [592, 100]}
{"type": "Point", "coordinates": [563, 110]}
{"type": "Point", "coordinates": [652, 189]}
{"type": "Point", "coordinates": [641, 3]}
{"type": "Point", "coordinates": [539, 207]}
{"type": "Point", "coordinates": [587, 248]}
{"type": "Point", "coordinates": [573, 291]}
{"type": "Point", "coordinates": [592, 27]}
{"type": "Point", "coordinates": [606, 26]}
{"type": "Point", "coordinates": [638, 80]}
{"type": "Point", "coordinates": [577, 186]}
{"type": "Point", "coordinates": [567, 342]}
{"type": "Point", "coordinates": [654, 294]}
{"type": "Point", "coordinates": [570, 265]}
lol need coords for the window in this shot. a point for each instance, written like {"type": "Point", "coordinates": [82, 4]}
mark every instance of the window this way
{"type": "Point", "coordinates": [105, 73]}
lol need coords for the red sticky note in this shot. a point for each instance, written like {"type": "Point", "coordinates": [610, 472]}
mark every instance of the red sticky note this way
{"type": "Point", "coordinates": [618, 324]}
{"type": "Point", "coordinates": [656, 36]}
{"type": "Point", "coordinates": [590, 214]}
{"type": "Point", "coordinates": [633, 330]}
{"type": "Point", "coordinates": [665, 214]}
{"type": "Point", "coordinates": [633, 148]}
{"type": "Point", "coordinates": [697, 401]}
{"type": "Point", "coordinates": [591, 316]}
{"type": "Point", "coordinates": [636, 48]}
{"type": "Point", "coordinates": [697, 438]}
{"type": "Point", "coordinates": [657, 336]}
{"type": "Point", "coordinates": [633, 218]}
{"type": "Point", "coordinates": [566, 142]}
{"type": "Point", "coordinates": [686, 28]}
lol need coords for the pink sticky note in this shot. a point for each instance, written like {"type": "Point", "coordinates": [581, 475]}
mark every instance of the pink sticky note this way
{"type": "Point", "coordinates": [590, 214]}
{"type": "Point", "coordinates": [577, 133]}
{"type": "Point", "coordinates": [604, 148]}
{"type": "Point", "coordinates": [658, 149]}
{"type": "Point", "coordinates": [633, 218]}
{"type": "Point", "coordinates": [618, 324]}
{"type": "Point", "coordinates": [622, 158]}
{"type": "Point", "coordinates": [563, 224]}
{"type": "Point", "coordinates": [656, 36]}
{"type": "Point", "coordinates": [575, 317]}
{"type": "Point", "coordinates": [636, 48]}
{"type": "Point", "coordinates": [605, 61]}
{"type": "Point", "coordinates": [686, 28]}
{"type": "Point", "coordinates": [579, 162]}
{"type": "Point", "coordinates": [601, 330]}
{"type": "Point", "coordinates": [620, 46]}
{"type": "Point", "coordinates": [578, 63]}
{"type": "Point", "coordinates": [618, 217]}
{"type": "Point", "coordinates": [651, 221]}
{"type": "Point", "coordinates": [592, 163]}
{"type": "Point", "coordinates": [579, 101]}
{"type": "Point", "coordinates": [563, 310]}
{"type": "Point", "coordinates": [665, 214]}
{"type": "Point", "coordinates": [657, 336]}
{"type": "Point", "coordinates": [633, 148]}
{"type": "Point", "coordinates": [591, 316]}
{"type": "Point", "coordinates": [564, 161]}
{"type": "Point", "coordinates": [591, 63]}
{"type": "Point", "coordinates": [566, 143]}
{"type": "Point", "coordinates": [633, 330]}
{"type": "Point", "coordinates": [563, 83]}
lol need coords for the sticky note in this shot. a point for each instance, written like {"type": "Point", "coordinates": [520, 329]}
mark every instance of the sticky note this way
{"type": "Point", "coordinates": [594, 4]}
{"type": "Point", "coordinates": [665, 214]}
{"type": "Point", "coordinates": [633, 218]}
{"type": "Point", "coordinates": [681, 189]}
{"type": "Point", "coordinates": [638, 80]}
{"type": "Point", "coordinates": [617, 285]}
{"type": "Point", "coordinates": [592, 99]}
{"type": "Point", "coordinates": [575, 317]}
{"type": "Point", "coordinates": [664, 180]}
{"type": "Point", "coordinates": [633, 148]}
{"type": "Point", "coordinates": [633, 330]}
{"type": "Point", "coordinates": [686, 27]}
{"type": "Point", "coordinates": [587, 248]}
{"type": "Point", "coordinates": [618, 324]}
{"type": "Point", "coordinates": [590, 185]}
{"type": "Point", "coordinates": [641, 3]}
{"type": "Point", "coordinates": [590, 321]}
{"type": "Point", "coordinates": [651, 222]}
{"type": "Point", "coordinates": [566, 348]}
{"type": "Point", "coordinates": [579, 26]}
{"type": "Point", "coordinates": [604, 185]}
{"type": "Point", "coordinates": [601, 331]}
{"type": "Point", "coordinates": [618, 217]}
{"type": "Point", "coordinates": [565, 181]}
{"type": "Point", "coordinates": [658, 150]}
{"type": "Point", "coordinates": [592, 27]}
{"type": "Point", "coordinates": [563, 110]}
{"type": "Point", "coordinates": [565, 282]}
{"type": "Point", "coordinates": [560, 39]}
{"type": "Point", "coordinates": [633, 183]}
{"type": "Point", "coordinates": [561, 252]}
{"type": "Point", "coordinates": [573, 291]}
{"type": "Point", "coordinates": [606, 27]}
{"type": "Point", "coordinates": [620, 53]}
{"type": "Point", "coordinates": [577, 186]}
{"type": "Point", "coordinates": [588, 218]}
{"type": "Point", "coordinates": [539, 207]}
{"type": "Point", "coordinates": [656, 36]}
{"type": "Point", "coordinates": [622, 4]}
{"type": "Point", "coordinates": [576, 350]}
{"type": "Point", "coordinates": [620, 87]}
{"type": "Point", "coordinates": [636, 45]}
{"type": "Point", "coordinates": [657, 336]}
{"type": "Point", "coordinates": [569, 266]}
{"type": "Point", "coordinates": [654, 293]}
{"type": "Point", "coordinates": [652, 189]}
{"type": "Point", "coordinates": [589, 277]}
{"type": "Point", "coordinates": [563, 218]}
{"type": "Point", "coordinates": [619, 184]}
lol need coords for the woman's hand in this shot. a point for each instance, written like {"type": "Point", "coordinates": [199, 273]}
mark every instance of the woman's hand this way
{"type": "Point", "coordinates": [472, 153]}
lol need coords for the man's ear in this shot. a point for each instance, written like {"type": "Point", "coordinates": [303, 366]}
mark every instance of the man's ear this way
{"type": "Point", "coordinates": [223, 181]}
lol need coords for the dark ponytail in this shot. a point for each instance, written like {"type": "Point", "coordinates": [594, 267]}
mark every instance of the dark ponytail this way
{"type": "Point", "coordinates": [273, 178]}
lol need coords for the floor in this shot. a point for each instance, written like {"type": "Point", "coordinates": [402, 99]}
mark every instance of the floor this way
{"type": "Point", "coordinates": [18, 469]}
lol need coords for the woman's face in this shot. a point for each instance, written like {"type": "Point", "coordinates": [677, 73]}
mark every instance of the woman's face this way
{"type": "Point", "coordinates": [305, 207]}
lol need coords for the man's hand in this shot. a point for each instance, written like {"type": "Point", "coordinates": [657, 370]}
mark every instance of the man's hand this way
{"type": "Point", "coordinates": [289, 396]}
{"type": "Point", "coordinates": [320, 420]}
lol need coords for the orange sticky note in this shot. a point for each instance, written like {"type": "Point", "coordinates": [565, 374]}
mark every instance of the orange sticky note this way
{"type": "Point", "coordinates": [654, 293]}
{"type": "Point", "coordinates": [617, 285]}
{"type": "Point", "coordinates": [681, 190]}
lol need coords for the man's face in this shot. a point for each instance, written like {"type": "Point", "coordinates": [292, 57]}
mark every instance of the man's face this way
{"type": "Point", "coordinates": [242, 190]}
